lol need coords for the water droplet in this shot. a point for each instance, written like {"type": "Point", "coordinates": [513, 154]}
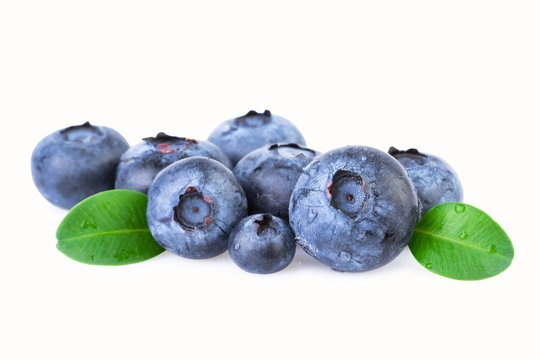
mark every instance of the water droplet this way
{"type": "Point", "coordinates": [86, 224]}
{"type": "Point", "coordinates": [463, 235]}
{"type": "Point", "coordinates": [460, 208]}
{"type": "Point", "coordinates": [482, 268]}
{"type": "Point", "coordinates": [345, 255]}
{"type": "Point", "coordinates": [429, 265]}
{"type": "Point", "coordinates": [312, 214]}
{"type": "Point", "coordinates": [492, 249]}
{"type": "Point", "coordinates": [236, 246]}
{"type": "Point", "coordinates": [364, 158]}
{"type": "Point", "coordinates": [92, 257]}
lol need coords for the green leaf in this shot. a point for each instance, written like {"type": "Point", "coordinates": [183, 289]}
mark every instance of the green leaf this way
{"type": "Point", "coordinates": [461, 242]}
{"type": "Point", "coordinates": [108, 228]}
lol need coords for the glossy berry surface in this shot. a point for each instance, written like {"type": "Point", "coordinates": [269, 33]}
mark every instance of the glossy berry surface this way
{"type": "Point", "coordinates": [193, 205]}
{"type": "Point", "coordinates": [434, 180]}
{"type": "Point", "coordinates": [239, 136]}
{"type": "Point", "coordinates": [72, 164]}
{"type": "Point", "coordinates": [262, 244]}
{"type": "Point", "coordinates": [268, 176]}
{"type": "Point", "coordinates": [354, 208]}
{"type": "Point", "coordinates": [140, 163]}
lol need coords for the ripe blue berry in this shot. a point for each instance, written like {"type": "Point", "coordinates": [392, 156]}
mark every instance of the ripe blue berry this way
{"type": "Point", "coordinates": [72, 164]}
{"type": "Point", "coordinates": [262, 244]}
{"type": "Point", "coordinates": [354, 208]}
{"type": "Point", "coordinates": [193, 205]}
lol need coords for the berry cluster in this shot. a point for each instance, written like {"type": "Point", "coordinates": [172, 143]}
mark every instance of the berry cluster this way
{"type": "Point", "coordinates": [255, 189]}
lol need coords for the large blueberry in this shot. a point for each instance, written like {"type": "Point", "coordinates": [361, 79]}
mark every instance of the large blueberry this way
{"type": "Point", "coordinates": [268, 176]}
{"type": "Point", "coordinates": [434, 180]}
{"type": "Point", "coordinates": [262, 244]}
{"type": "Point", "coordinates": [141, 163]}
{"type": "Point", "coordinates": [193, 205]}
{"type": "Point", "coordinates": [239, 136]}
{"type": "Point", "coordinates": [354, 208]}
{"type": "Point", "coordinates": [74, 163]}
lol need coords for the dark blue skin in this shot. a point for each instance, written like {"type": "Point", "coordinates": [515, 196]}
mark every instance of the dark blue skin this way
{"type": "Point", "coordinates": [268, 176]}
{"type": "Point", "coordinates": [141, 163]}
{"type": "Point", "coordinates": [435, 181]}
{"type": "Point", "coordinates": [193, 205]}
{"type": "Point", "coordinates": [74, 163]}
{"type": "Point", "coordinates": [354, 208]}
{"type": "Point", "coordinates": [262, 244]}
{"type": "Point", "coordinates": [239, 136]}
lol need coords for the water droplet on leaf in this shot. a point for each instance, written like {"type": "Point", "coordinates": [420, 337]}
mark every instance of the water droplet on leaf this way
{"type": "Point", "coordinates": [492, 249]}
{"type": "Point", "coordinates": [460, 208]}
{"type": "Point", "coordinates": [429, 265]}
{"type": "Point", "coordinates": [86, 224]}
{"type": "Point", "coordinates": [463, 235]}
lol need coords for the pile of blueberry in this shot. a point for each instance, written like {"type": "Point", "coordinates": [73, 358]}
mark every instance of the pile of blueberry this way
{"type": "Point", "coordinates": [353, 208]}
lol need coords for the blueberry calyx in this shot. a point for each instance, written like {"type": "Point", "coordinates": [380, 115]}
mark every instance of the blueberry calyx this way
{"type": "Point", "coordinates": [347, 193]}
{"type": "Point", "coordinates": [194, 210]}
{"type": "Point", "coordinates": [81, 133]}
{"type": "Point", "coordinates": [162, 142]}
{"type": "Point", "coordinates": [276, 147]}
{"type": "Point", "coordinates": [264, 223]}
{"type": "Point", "coordinates": [161, 137]}
{"type": "Point", "coordinates": [393, 151]}
{"type": "Point", "coordinates": [292, 150]}
{"type": "Point", "coordinates": [254, 119]}
{"type": "Point", "coordinates": [266, 113]}
{"type": "Point", "coordinates": [86, 125]}
{"type": "Point", "coordinates": [411, 153]}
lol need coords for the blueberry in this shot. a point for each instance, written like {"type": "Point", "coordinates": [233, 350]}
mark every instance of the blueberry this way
{"type": "Point", "coordinates": [354, 208]}
{"type": "Point", "coordinates": [141, 163]}
{"type": "Point", "coordinates": [435, 181]}
{"type": "Point", "coordinates": [238, 137]}
{"type": "Point", "coordinates": [72, 164]}
{"type": "Point", "coordinates": [193, 205]}
{"type": "Point", "coordinates": [262, 244]}
{"type": "Point", "coordinates": [268, 176]}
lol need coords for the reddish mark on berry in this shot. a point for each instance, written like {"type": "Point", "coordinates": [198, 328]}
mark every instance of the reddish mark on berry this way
{"type": "Point", "coordinates": [189, 142]}
{"type": "Point", "coordinates": [164, 148]}
{"type": "Point", "coordinates": [328, 189]}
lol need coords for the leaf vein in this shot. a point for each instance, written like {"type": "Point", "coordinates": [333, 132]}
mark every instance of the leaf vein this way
{"type": "Point", "coordinates": [105, 233]}
{"type": "Point", "coordinates": [449, 239]}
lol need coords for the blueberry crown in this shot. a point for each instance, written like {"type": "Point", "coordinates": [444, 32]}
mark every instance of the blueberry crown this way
{"type": "Point", "coordinates": [265, 222]}
{"type": "Point", "coordinates": [394, 152]}
{"type": "Point", "coordinates": [291, 145]}
{"type": "Point", "coordinates": [161, 138]}
{"type": "Point", "coordinates": [252, 115]}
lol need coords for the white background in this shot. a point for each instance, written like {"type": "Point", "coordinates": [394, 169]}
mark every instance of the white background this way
{"type": "Point", "coordinates": [459, 79]}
